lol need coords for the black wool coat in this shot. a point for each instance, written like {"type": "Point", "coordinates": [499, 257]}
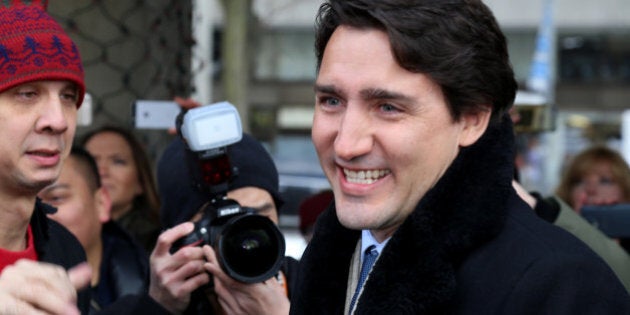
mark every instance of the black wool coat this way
{"type": "Point", "coordinates": [56, 245]}
{"type": "Point", "coordinates": [471, 246]}
{"type": "Point", "coordinates": [124, 267]}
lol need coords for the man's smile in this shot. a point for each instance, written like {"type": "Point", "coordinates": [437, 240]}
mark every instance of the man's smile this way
{"type": "Point", "coordinates": [365, 176]}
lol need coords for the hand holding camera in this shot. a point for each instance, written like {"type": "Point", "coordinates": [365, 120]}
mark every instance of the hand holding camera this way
{"type": "Point", "coordinates": [249, 247]}
{"type": "Point", "coordinates": [268, 297]}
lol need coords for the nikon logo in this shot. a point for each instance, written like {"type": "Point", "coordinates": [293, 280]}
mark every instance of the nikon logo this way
{"type": "Point", "coordinates": [229, 211]}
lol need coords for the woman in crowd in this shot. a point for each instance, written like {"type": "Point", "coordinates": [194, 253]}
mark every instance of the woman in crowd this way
{"type": "Point", "coordinates": [596, 176]}
{"type": "Point", "coordinates": [127, 174]}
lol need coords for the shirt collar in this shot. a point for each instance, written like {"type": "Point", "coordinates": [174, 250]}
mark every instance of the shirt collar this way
{"type": "Point", "coordinates": [367, 239]}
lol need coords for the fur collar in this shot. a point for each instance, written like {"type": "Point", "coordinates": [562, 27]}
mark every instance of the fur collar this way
{"type": "Point", "coordinates": [416, 272]}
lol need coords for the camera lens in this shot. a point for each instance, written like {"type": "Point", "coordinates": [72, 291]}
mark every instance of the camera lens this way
{"type": "Point", "coordinates": [251, 248]}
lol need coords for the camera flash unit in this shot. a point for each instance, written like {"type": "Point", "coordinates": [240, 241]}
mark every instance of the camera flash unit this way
{"type": "Point", "coordinates": [212, 126]}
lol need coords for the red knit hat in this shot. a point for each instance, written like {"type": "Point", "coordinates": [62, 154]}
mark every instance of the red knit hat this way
{"type": "Point", "coordinates": [33, 46]}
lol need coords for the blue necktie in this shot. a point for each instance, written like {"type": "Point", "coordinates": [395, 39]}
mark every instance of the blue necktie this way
{"type": "Point", "coordinates": [369, 257]}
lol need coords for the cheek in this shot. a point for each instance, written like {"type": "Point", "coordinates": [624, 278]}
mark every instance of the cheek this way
{"type": "Point", "coordinates": [72, 127]}
{"type": "Point", "coordinates": [271, 215]}
{"type": "Point", "coordinates": [316, 131]}
{"type": "Point", "coordinates": [576, 195]}
{"type": "Point", "coordinates": [132, 180]}
{"type": "Point", "coordinates": [322, 134]}
{"type": "Point", "coordinates": [68, 215]}
{"type": "Point", "coordinates": [126, 176]}
{"type": "Point", "coordinates": [615, 191]}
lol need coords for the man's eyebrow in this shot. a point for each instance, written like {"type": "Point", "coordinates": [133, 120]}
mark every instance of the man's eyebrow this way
{"type": "Point", "coordinates": [366, 94]}
{"type": "Point", "coordinates": [376, 93]}
{"type": "Point", "coordinates": [328, 89]}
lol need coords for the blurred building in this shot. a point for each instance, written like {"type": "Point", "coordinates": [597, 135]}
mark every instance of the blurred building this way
{"type": "Point", "coordinates": [591, 84]}
{"type": "Point", "coordinates": [146, 50]}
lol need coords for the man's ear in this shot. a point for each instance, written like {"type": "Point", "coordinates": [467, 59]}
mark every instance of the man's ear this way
{"type": "Point", "coordinates": [475, 124]}
{"type": "Point", "coordinates": [103, 204]}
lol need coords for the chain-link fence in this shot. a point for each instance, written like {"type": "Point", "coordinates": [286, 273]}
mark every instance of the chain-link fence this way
{"type": "Point", "coordinates": [131, 49]}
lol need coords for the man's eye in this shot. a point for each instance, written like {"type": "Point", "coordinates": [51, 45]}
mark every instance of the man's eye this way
{"type": "Point", "coordinates": [70, 96]}
{"type": "Point", "coordinates": [332, 101]}
{"type": "Point", "coordinates": [27, 94]}
{"type": "Point", "coordinates": [329, 101]}
{"type": "Point", "coordinates": [54, 200]}
{"type": "Point", "coordinates": [389, 108]}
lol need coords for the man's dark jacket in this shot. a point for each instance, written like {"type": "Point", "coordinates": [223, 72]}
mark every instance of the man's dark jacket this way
{"type": "Point", "coordinates": [471, 246]}
{"type": "Point", "coordinates": [124, 267]}
{"type": "Point", "coordinates": [56, 245]}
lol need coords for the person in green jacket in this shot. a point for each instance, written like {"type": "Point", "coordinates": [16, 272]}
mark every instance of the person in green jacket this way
{"type": "Point", "coordinates": [554, 210]}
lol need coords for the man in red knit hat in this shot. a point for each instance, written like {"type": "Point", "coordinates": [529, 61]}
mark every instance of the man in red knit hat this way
{"type": "Point", "coordinates": [41, 87]}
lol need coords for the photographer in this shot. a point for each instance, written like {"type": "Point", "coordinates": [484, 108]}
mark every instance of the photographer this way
{"type": "Point", "coordinates": [255, 186]}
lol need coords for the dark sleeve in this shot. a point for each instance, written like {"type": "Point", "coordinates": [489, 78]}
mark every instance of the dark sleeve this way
{"type": "Point", "coordinates": [568, 285]}
{"type": "Point", "coordinates": [125, 261]}
{"type": "Point", "coordinates": [56, 245]}
{"type": "Point", "coordinates": [290, 270]}
{"type": "Point", "coordinates": [134, 305]}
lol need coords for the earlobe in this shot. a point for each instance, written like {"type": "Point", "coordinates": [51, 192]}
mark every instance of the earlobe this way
{"type": "Point", "coordinates": [475, 124]}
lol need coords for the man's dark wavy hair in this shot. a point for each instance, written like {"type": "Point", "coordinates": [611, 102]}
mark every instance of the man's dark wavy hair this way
{"type": "Point", "coordinates": [457, 43]}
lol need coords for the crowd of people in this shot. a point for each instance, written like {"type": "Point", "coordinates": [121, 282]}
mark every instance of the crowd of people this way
{"type": "Point", "coordinates": [424, 214]}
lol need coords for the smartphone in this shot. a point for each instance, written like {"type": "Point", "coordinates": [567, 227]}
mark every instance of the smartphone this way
{"type": "Point", "coordinates": [151, 114]}
{"type": "Point", "coordinates": [612, 220]}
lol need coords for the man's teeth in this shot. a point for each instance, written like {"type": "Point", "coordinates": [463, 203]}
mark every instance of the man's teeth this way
{"type": "Point", "coordinates": [364, 177]}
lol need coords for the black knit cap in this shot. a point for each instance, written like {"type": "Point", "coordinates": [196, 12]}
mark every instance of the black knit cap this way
{"type": "Point", "coordinates": [181, 200]}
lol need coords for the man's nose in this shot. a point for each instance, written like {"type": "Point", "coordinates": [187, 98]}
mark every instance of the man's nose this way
{"type": "Point", "coordinates": [53, 116]}
{"type": "Point", "coordinates": [354, 137]}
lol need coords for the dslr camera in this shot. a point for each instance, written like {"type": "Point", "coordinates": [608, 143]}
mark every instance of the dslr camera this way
{"type": "Point", "coordinates": [250, 247]}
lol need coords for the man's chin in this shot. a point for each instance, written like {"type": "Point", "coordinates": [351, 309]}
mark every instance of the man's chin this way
{"type": "Point", "coordinates": [40, 182]}
{"type": "Point", "coordinates": [353, 222]}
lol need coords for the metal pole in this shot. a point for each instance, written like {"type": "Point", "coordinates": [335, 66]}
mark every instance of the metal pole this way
{"type": "Point", "coordinates": [201, 54]}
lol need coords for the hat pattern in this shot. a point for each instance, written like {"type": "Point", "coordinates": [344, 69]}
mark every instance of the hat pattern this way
{"type": "Point", "coordinates": [33, 46]}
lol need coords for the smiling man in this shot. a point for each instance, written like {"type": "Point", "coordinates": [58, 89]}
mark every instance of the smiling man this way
{"type": "Point", "coordinates": [412, 131]}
